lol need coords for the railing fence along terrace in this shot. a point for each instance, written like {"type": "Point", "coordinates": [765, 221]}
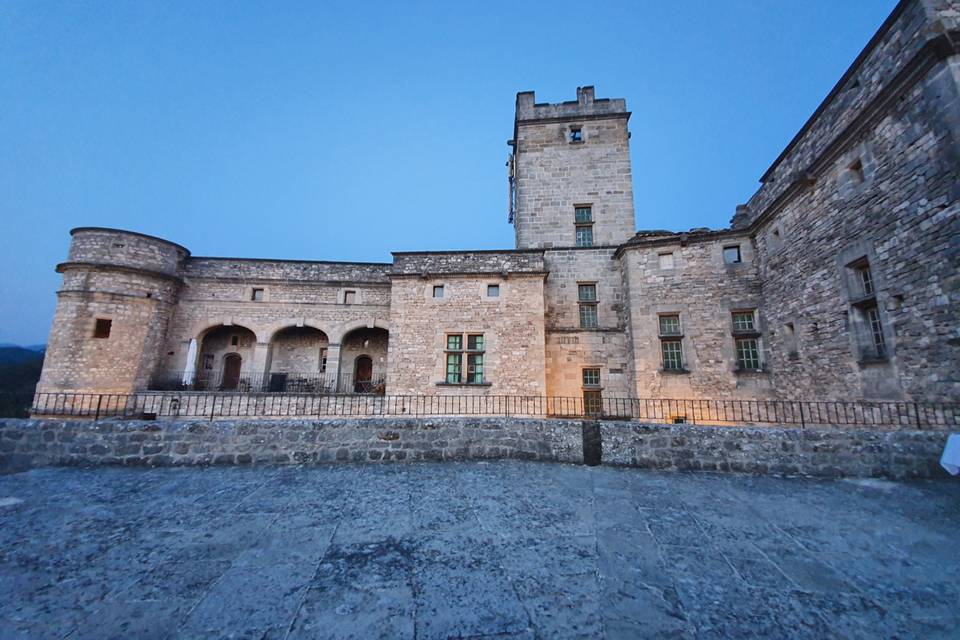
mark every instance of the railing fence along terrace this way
{"type": "Point", "coordinates": [273, 382]}
{"type": "Point", "coordinates": [155, 404]}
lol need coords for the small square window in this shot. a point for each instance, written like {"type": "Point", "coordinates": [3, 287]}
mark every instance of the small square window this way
{"type": "Point", "coordinates": [493, 291]}
{"type": "Point", "coordinates": [102, 328]}
{"type": "Point", "coordinates": [744, 321]}
{"type": "Point", "coordinates": [475, 342]}
{"type": "Point", "coordinates": [576, 134]}
{"type": "Point", "coordinates": [855, 170]}
{"type": "Point", "coordinates": [438, 291]}
{"type": "Point", "coordinates": [731, 254]}
{"type": "Point", "coordinates": [670, 325]}
{"type": "Point", "coordinates": [454, 342]}
{"type": "Point", "coordinates": [256, 295]}
{"type": "Point", "coordinates": [591, 377]}
{"type": "Point", "coordinates": [666, 260]}
{"type": "Point", "coordinates": [349, 297]}
{"type": "Point", "coordinates": [587, 292]}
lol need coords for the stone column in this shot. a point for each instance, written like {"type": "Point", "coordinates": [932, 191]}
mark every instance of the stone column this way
{"type": "Point", "coordinates": [260, 361]}
{"type": "Point", "coordinates": [333, 365]}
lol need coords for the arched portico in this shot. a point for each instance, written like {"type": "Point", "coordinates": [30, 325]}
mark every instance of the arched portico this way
{"type": "Point", "coordinates": [226, 359]}
{"type": "Point", "coordinates": [297, 360]}
{"type": "Point", "coordinates": [363, 360]}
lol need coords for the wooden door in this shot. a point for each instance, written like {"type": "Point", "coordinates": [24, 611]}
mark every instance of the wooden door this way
{"type": "Point", "coordinates": [231, 372]}
{"type": "Point", "coordinates": [362, 374]}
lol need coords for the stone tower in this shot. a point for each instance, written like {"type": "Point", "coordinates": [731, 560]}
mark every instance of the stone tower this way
{"type": "Point", "coordinates": [570, 170]}
{"type": "Point", "coordinates": [119, 290]}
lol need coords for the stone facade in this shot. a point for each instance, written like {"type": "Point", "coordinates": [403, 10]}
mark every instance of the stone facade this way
{"type": "Point", "coordinates": [838, 279]}
{"type": "Point", "coordinates": [778, 450]}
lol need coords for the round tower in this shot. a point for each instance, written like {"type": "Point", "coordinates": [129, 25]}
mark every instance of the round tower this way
{"type": "Point", "coordinates": [109, 328]}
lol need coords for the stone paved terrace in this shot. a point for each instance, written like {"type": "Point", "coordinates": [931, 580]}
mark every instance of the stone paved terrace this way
{"type": "Point", "coordinates": [500, 550]}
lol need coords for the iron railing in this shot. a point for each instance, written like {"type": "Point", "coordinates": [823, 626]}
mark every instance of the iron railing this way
{"type": "Point", "coordinates": [245, 382]}
{"type": "Point", "coordinates": [157, 404]}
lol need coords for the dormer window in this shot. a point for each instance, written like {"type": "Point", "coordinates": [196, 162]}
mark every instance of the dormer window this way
{"type": "Point", "coordinates": [576, 134]}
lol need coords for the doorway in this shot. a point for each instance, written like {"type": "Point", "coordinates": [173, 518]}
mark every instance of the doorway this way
{"type": "Point", "coordinates": [362, 374]}
{"type": "Point", "coordinates": [231, 372]}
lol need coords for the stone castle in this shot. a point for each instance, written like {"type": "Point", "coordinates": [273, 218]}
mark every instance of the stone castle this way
{"type": "Point", "coordinates": [838, 279]}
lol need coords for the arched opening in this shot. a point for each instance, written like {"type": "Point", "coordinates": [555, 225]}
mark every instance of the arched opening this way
{"type": "Point", "coordinates": [298, 361]}
{"type": "Point", "coordinates": [224, 358]}
{"type": "Point", "coordinates": [363, 357]}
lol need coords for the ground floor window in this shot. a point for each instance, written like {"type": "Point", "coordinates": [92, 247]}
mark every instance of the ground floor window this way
{"type": "Point", "coordinates": [456, 353]}
{"type": "Point", "coordinates": [592, 394]}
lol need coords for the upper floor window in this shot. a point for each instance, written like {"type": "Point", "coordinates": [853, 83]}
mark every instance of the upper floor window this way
{"type": "Point", "coordinates": [576, 134]}
{"type": "Point", "coordinates": [438, 291]}
{"type": "Point", "coordinates": [665, 260]}
{"type": "Point", "coordinates": [587, 298]}
{"type": "Point", "coordinates": [256, 294]}
{"type": "Point", "coordinates": [583, 225]}
{"type": "Point", "coordinates": [455, 355]}
{"type": "Point", "coordinates": [102, 328]}
{"type": "Point", "coordinates": [731, 254]}
{"type": "Point", "coordinates": [671, 343]}
{"type": "Point", "coordinates": [349, 297]}
{"type": "Point", "coordinates": [493, 291]}
{"type": "Point", "coordinates": [746, 340]}
{"type": "Point", "coordinates": [864, 278]}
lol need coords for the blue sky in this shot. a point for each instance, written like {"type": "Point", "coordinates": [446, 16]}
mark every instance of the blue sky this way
{"type": "Point", "coordinates": [343, 131]}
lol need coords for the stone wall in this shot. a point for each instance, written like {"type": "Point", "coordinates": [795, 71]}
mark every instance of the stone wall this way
{"type": "Point", "coordinates": [773, 450]}
{"type": "Point", "coordinates": [704, 291]}
{"type": "Point", "coordinates": [511, 324]}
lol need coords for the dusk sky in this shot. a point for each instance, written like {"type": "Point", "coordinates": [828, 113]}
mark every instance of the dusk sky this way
{"type": "Point", "coordinates": [344, 131]}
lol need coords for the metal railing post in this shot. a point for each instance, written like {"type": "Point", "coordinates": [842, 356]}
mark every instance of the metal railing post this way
{"type": "Point", "coordinates": [97, 414]}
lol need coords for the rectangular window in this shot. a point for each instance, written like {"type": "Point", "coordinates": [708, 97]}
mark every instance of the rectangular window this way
{"type": "Point", "coordinates": [665, 260]}
{"type": "Point", "coordinates": [588, 316]}
{"type": "Point", "coordinates": [323, 360]}
{"type": "Point", "coordinates": [583, 215]}
{"type": "Point", "coordinates": [672, 351]}
{"type": "Point", "coordinates": [349, 297]}
{"type": "Point", "coordinates": [454, 367]}
{"type": "Point", "coordinates": [474, 356]}
{"type": "Point", "coordinates": [234, 341]}
{"type": "Point", "coordinates": [256, 295]}
{"type": "Point", "coordinates": [208, 362]}
{"type": "Point", "coordinates": [591, 377]}
{"type": "Point", "coordinates": [576, 134]}
{"type": "Point", "coordinates": [670, 325]}
{"type": "Point", "coordinates": [102, 328]}
{"type": "Point", "coordinates": [790, 340]}
{"type": "Point", "coordinates": [584, 235]}
{"type": "Point", "coordinates": [876, 332]}
{"type": "Point", "coordinates": [864, 280]}
{"type": "Point", "coordinates": [587, 292]}
{"type": "Point", "coordinates": [743, 321]}
{"type": "Point", "coordinates": [731, 254]}
{"type": "Point", "coordinates": [493, 291]}
{"type": "Point", "coordinates": [748, 354]}
{"type": "Point", "coordinates": [587, 296]}
{"type": "Point", "coordinates": [438, 291]}
{"type": "Point", "coordinates": [592, 403]}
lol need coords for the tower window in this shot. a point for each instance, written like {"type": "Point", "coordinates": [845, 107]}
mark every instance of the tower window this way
{"type": "Point", "coordinates": [438, 291]}
{"type": "Point", "coordinates": [855, 171]}
{"type": "Point", "coordinates": [731, 254]}
{"type": "Point", "coordinates": [584, 235]}
{"type": "Point", "coordinates": [587, 297]}
{"type": "Point", "coordinates": [665, 260]}
{"type": "Point", "coordinates": [102, 328]}
{"type": "Point", "coordinates": [493, 291]}
{"type": "Point", "coordinates": [583, 214]}
{"type": "Point", "coordinates": [349, 297]}
{"type": "Point", "coordinates": [256, 295]}
{"type": "Point", "coordinates": [576, 134]}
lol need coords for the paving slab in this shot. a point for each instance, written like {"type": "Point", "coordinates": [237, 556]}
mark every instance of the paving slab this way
{"type": "Point", "coordinates": [503, 549]}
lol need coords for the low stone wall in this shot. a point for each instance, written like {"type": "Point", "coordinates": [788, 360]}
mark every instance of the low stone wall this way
{"type": "Point", "coordinates": [829, 453]}
{"type": "Point", "coordinates": [774, 450]}
{"type": "Point", "coordinates": [27, 443]}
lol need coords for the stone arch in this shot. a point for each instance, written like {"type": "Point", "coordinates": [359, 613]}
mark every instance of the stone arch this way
{"type": "Point", "coordinates": [364, 346]}
{"type": "Point", "coordinates": [218, 344]}
{"type": "Point", "coordinates": [270, 332]}
{"type": "Point", "coordinates": [340, 332]}
{"type": "Point", "coordinates": [297, 358]}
